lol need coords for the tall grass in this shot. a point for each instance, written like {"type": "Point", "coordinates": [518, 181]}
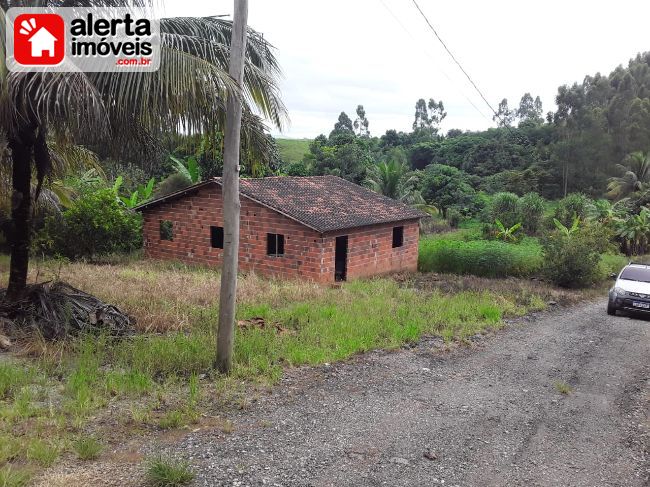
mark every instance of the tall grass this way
{"type": "Point", "coordinates": [360, 316]}
{"type": "Point", "coordinates": [484, 258]}
{"type": "Point", "coordinates": [13, 378]}
{"type": "Point", "coordinates": [155, 378]}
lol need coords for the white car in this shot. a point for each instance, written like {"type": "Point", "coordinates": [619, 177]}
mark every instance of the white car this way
{"type": "Point", "coordinates": [631, 290]}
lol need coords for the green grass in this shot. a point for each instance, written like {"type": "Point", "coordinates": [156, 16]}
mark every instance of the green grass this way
{"type": "Point", "coordinates": [293, 150]}
{"type": "Point", "coordinates": [167, 355]}
{"type": "Point", "coordinates": [151, 380]}
{"type": "Point", "coordinates": [13, 377]}
{"type": "Point", "coordinates": [11, 476]}
{"type": "Point", "coordinates": [168, 472]}
{"type": "Point", "coordinates": [10, 448]}
{"type": "Point", "coordinates": [172, 419]}
{"type": "Point", "coordinates": [562, 387]}
{"type": "Point", "coordinates": [131, 383]}
{"type": "Point", "coordinates": [360, 316]}
{"type": "Point", "coordinates": [87, 448]}
{"type": "Point", "coordinates": [486, 258]}
{"type": "Point", "coordinates": [43, 452]}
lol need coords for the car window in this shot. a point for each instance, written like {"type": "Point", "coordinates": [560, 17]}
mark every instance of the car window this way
{"type": "Point", "coordinates": [636, 274]}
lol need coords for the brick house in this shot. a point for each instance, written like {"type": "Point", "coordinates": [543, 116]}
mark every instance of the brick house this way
{"type": "Point", "coordinates": [322, 228]}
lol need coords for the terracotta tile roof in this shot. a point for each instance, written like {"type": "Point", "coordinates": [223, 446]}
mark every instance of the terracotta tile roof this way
{"type": "Point", "coordinates": [324, 203]}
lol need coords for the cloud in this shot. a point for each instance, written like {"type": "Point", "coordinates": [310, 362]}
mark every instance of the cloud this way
{"type": "Point", "coordinates": [337, 54]}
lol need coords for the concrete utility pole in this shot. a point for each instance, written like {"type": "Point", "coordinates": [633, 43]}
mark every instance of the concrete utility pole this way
{"type": "Point", "coordinates": [231, 205]}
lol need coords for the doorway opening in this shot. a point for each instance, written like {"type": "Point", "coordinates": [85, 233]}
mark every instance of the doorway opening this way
{"type": "Point", "coordinates": [341, 258]}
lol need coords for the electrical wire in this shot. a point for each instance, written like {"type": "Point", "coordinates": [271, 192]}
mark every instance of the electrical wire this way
{"type": "Point", "coordinates": [451, 81]}
{"type": "Point", "coordinates": [458, 63]}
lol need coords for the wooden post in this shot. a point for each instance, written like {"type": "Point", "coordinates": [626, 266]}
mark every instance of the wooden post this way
{"type": "Point", "coordinates": [231, 205]}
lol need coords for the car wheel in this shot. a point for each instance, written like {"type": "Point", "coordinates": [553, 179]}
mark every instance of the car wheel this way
{"type": "Point", "coordinates": [611, 309]}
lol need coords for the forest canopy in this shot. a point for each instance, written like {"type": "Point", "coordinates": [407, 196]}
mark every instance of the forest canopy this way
{"type": "Point", "coordinates": [577, 148]}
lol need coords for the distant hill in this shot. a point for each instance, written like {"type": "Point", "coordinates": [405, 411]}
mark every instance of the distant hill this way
{"type": "Point", "coordinates": [293, 150]}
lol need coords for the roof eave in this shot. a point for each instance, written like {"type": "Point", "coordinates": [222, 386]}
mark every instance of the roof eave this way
{"type": "Point", "coordinates": [174, 195]}
{"type": "Point", "coordinates": [197, 186]}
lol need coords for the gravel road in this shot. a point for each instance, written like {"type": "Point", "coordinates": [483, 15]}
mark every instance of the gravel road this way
{"type": "Point", "coordinates": [485, 415]}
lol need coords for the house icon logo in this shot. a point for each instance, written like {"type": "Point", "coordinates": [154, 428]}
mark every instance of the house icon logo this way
{"type": "Point", "coordinates": [39, 39]}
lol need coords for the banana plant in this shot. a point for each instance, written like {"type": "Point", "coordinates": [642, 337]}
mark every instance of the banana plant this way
{"type": "Point", "coordinates": [143, 193]}
{"type": "Point", "coordinates": [506, 234]}
{"type": "Point", "coordinates": [634, 231]}
{"type": "Point", "coordinates": [568, 231]}
{"type": "Point", "coordinates": [189, 169]}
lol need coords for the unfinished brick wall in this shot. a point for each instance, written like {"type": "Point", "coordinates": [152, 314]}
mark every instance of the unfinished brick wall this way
{"type": "Point", "coordinates": [371, 252]}
{"type": "Point", "coordinates": [307, 253]}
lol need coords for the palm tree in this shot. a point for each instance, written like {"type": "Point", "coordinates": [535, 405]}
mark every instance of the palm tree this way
{"type": "Point", "coordinates": [636, 176]}
{"type": "Point", "coordinates": [394, 179]}
{"type": "Point", "coordinates": [44, 114]}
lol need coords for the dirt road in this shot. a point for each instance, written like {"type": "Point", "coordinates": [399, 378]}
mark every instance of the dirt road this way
{"type": "Point", "coordinates": [486, 415]}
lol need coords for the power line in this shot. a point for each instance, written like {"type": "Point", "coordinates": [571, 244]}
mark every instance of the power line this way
{"type": "Point", "coordinates": [456, 61]}
{"type": "Point", "coordinates": [455, 85]}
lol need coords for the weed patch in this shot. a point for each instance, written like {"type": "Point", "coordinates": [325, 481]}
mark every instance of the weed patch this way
{"type": "Point", "coordinates": [14, 477]}
{"type": "Point", "coordinates": [12, 378]}
{"type": "Point", "coordinates": [87, 448]}
{"type": "Point", "coordinates": [43, 452]}
{"type": "Point", "coordinates": [562, 387]}
{"type": "Point", "coordinates": [168, 472]}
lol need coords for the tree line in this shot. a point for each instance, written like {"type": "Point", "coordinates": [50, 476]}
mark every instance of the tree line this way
{"type": "Point", "coordinates": [577, 148]}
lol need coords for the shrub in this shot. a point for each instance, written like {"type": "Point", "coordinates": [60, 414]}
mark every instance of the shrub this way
{"type": "Point", "coordinates": [453, 217]}
{"type": "Point", "coordinates": [530, 210]}
{"type": "Point", "coordinates": [296, 168]}
{"type": "Point", "coordinates": [504, 207]}
{"type": "Point", "coordinates": [434, 224]}
{"type": "Point", "coordinates": [573, 260]}
{"type": "Point", "coordinates": [574, 204]}
{"type": "Point", "coordinates": [97, 224]}
{"type": "Point", "coordinates": [446, 187]}
{"type": "Point", "coordinates": [132, 175]}
{"type": "Point", "coordinates": [611, 263]}
{"type": "Point", "coordinates": [171, 184]}
{"type": "Point", "coordinates": [479, 257]}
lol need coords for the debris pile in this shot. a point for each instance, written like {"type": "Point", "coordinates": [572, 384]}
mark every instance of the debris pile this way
{"type": "Point", "coordinates": [57, 310]}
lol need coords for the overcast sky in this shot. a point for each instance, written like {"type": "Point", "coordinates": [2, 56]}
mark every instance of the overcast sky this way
{"type": "Point", "coordinates": [337, 54]}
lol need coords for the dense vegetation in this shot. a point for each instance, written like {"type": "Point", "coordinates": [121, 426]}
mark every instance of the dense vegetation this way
{"type": "Point", "coordinates": [575, 149]}
{"type": "Point", "coordinates": [593, 143]}
{"type": "Point", "coordinates": [591, 154]}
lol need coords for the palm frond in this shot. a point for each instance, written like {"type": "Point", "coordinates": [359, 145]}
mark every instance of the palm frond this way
{"type": "Point", "coordinates": [46, 98]}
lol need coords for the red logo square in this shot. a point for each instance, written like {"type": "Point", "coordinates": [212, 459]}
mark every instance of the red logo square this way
{"type": "Point", "coordinates": [39, 39]}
